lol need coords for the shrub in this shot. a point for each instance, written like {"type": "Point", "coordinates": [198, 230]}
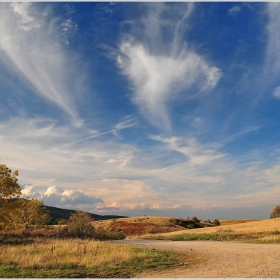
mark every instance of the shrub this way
{"type": "Point", "coordinates": [103, 235]}
{"type": "Point", "coordinates": [275, 213]}
{"type": "Point", "coordinates": [79, 224]}
{"type": "Point", "coordinates": [195, 219]}
{"type": "Point", "coordinates": [216, 222]}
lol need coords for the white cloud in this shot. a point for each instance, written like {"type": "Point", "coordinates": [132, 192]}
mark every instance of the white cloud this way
{"type": "Point", "coordinates": [69, 9]}
{"type": "Point", "coordinates": [234, 10]}
{"type": "Point", "coordinates": [53, 191]}
{"type": "Point", "coordinates": [118, 174]}
{"type": "Point", "coordinates": [66, 28]}
{"type": "Point", "coordinates": [272, 66]}
{"type": "Point", "coordinates": [115, 131]}
{"type": "Point", "coordinates": [276, 92]}
{"type": "Point", "coordinates": [158, 74]}
{"type": "Point", "coordinates": [29, 48]}
{"type": "Point", "coordinates": [126, 207]}
{"type": "Point", "coordinates": [30, 191]}
{"type": "Point", "coordinates": [112, 161]}
{"type": "Point", "coordinates": [55, 196]}
{"type": "Point", "coordinates": [25, 21]}
{"type": "Point", "coordinates": [157, 206]}
{"type": "Point", "coordinates": [157, 79]}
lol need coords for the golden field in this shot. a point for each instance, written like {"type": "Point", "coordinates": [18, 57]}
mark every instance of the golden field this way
{"type": "Point", "coordinates": [259, 226]}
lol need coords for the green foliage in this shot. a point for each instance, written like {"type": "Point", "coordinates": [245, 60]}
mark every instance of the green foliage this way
{"type": "Point", "coordinates": [216, 222]}
{"type": "Point", "coordinates": [80, 224]}
{"type": "Point", "coordinates": [275, 213]}
{"type": "Point", "coordinates": [9, 190]}
{"type": "Point", "coordinates": [30, 213]}
{"type": "Point", "coordinates": [9, 187]}
{"type": "Point", "coordinates": [15, 212]}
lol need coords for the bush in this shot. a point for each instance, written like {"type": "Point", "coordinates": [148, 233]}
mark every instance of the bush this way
{"type": "Point", "coordinates": [195, 219]}
{"type": "Point", "coordinates": [275, 213]}
{"type": "Point", "coordinates": [79, 224]}
{"type": "Point", "coordinates": [216, 222]}
{"type": "Point", "coordinates": [101, 235]}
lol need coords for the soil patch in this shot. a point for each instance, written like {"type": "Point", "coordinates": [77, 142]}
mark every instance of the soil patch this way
{"type": "Point", "coordinates": [218, 259]}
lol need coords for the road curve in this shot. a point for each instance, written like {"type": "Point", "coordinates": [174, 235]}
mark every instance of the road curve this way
{"type": "Point", "coordinates": [217, 259]}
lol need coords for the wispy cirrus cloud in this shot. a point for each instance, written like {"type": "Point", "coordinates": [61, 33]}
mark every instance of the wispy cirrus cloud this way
{"type": "Point", "coordinates": [31, 48]}
{"type": "Point", "coordinates": [158, 74]}
{"type": "Point", "coordinates": [234, 10]}
{"type": "Point", "coordinates": [272, 61]}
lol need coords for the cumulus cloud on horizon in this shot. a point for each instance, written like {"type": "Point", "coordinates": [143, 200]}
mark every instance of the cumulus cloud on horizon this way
{"type": "Point", "coordinates": [55, 196]}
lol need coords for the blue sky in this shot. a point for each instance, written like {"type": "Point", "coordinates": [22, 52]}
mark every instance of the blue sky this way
{"type": "Point", "coordinates": [167, 109]}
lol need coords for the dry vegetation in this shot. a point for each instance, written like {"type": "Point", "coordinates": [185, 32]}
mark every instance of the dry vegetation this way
{"type": "Point", "coordinates": [139, 226]}
{"type": "Point", "coordinates": [248, 227]}
{"type": "Point", "coordinates": [260, 231]}
{"type": "Point", "coordinates": [233, 222]}
{"type": "Point", "coordinates": [43, 257]}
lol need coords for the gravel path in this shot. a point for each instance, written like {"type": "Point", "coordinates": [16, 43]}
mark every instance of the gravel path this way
{"type": "Point", "coordinates": [218, 259]}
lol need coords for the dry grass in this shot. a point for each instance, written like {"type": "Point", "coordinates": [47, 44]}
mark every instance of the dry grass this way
{"type": "Point", "coordinates": [46, 253]}
{"type": "Point", "coordinates": [249, 227]}
{"type": "Point", "coordinates": [48, 258]}
{"type": "Point", "coordinates": [271, 238]}
{"type": "Point", "coordinates": [233, 222]}
{"type": "Point", "coordinates": [140, 219]}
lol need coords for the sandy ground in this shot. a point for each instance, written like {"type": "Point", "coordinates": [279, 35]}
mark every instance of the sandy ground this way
{"type": "Point", "coordinates": [218, 259]}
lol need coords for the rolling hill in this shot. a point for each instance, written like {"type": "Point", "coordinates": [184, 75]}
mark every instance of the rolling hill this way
{"type": "Point", "coordinates": [59, 213]}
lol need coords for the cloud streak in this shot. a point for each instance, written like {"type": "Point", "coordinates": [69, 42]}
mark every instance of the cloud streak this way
{"type": "Point", "coordinates": [30, 47]}
{"type": "Point", "coordinates": [272, 62]}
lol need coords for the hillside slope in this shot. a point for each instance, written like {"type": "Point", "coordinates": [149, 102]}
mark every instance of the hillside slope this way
{"type": "Point", "coordinates": [59, 213]}
{"type": "Point", "coordinates": [142, 225]}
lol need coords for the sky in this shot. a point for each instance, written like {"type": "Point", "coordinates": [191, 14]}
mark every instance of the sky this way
{"type": "Point", "coordinates": [166, 109]}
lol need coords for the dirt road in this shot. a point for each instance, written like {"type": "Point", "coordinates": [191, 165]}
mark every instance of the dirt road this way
{"type": "Point", "coordinates": [218, 259]}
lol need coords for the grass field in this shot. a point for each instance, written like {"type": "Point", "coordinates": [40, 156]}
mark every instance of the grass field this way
{"type": "Point", "coordinates": [248, 227]}
{"type": "Point", "coordinates": [260, 231]}
{"type": "Point", "coordinates": [237, 221]}
{"type": "Point", "coordinates": [55, 258]}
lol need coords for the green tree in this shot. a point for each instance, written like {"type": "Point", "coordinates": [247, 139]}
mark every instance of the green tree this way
{"type": "Point", "coordinates": [275, 213]}
{"type": "Point", "coordinates": [9, 187]}
{"type": "Point", "coordinates": [16, 212]}
{"type": "Point", "coordinates": [30, 213]}
{"type": "Point", "coordinates": [80, 224]}
{"type": "Point", "coordinates": [9, 192]}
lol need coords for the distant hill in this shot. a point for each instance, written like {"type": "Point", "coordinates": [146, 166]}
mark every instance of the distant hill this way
{"type": "Point", "coordinates": [59, 213]}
